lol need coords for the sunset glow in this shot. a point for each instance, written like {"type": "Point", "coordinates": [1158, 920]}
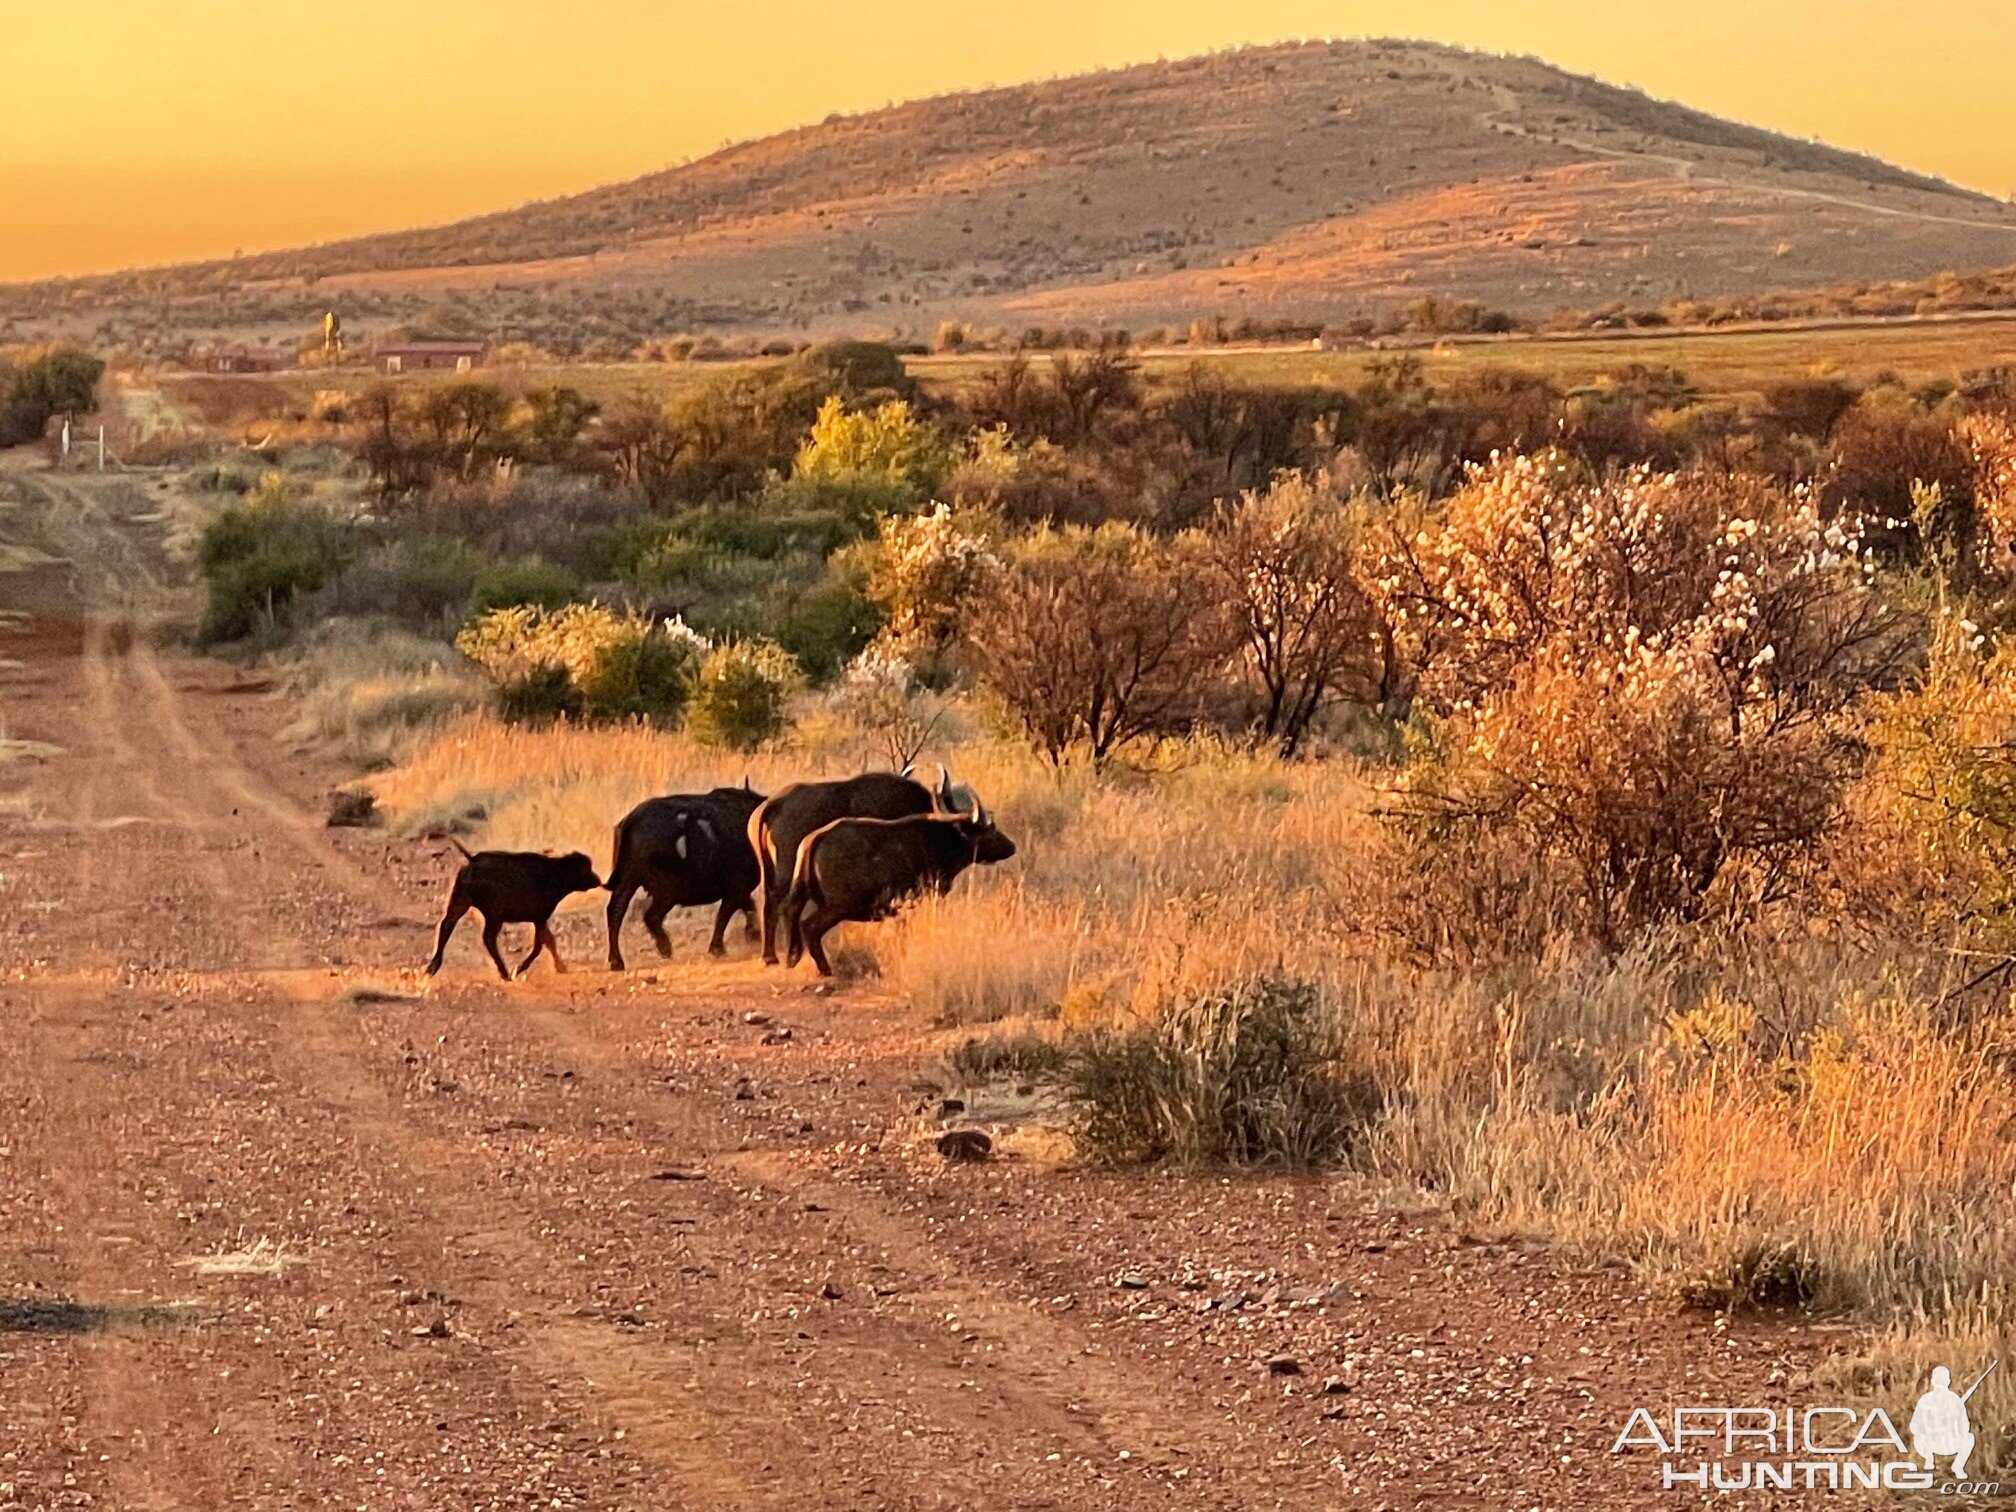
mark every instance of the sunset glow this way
{"type": "Point", "coordinates": [133, 133]}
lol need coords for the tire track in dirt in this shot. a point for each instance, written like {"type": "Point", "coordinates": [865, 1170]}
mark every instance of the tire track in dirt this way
{"type": "Point", "coordinates": [322, 1050]}
{"type": "Point", "coordinates": [116, 1253]}
{"type": "Point", "coordinates": [1032, 1407]}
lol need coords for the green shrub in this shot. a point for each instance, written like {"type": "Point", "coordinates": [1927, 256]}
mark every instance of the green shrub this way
{"type": "Point", "coordinates": [432, 578]}
{"type": "Point", "coordinates": [539, 696]}
{"type": "Point", "coordinates": [776, 526]}
{"type": "Point", "coordinates": [1247, 1076]}
{"type": "Point", "coordinates": [520, 581]}
{"type": "Point", "coordinates": [258, 558]}
{"type": "Point", "coordinates": [647, 553]}
{"type": "Point", "coordinates": [61, 381]}
{"type": "Point", "coordinates": [648, 676]}
{"type": "Point", "coordinates": [829, 625]}
{"type": "Point", "coordinates": [743, 695]}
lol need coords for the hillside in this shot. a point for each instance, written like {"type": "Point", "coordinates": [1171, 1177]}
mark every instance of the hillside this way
{"type": "Point", "coordinates": [1317, 180]}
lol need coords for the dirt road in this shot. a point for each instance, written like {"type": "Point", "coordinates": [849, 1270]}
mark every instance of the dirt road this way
{"type": "Point", "coordinates": [284, 1226]}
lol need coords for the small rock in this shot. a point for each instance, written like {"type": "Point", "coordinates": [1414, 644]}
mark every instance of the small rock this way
{"type": "Point", "coordinates": [951, 1107]}
{"type": "Point", "coordinates": [1335, 1386]}
{"type": "Point", "coordinates": [965, 1145]}
{"type": "Point", "coordinates": [753, 1017]}
{"type": "Point", "coordinates": [678, 1176]}
{"type": "Point", "coordinates": [438, 1329]}
{"type": "Point", "coordinates": [777, 1037]}
{"type": "Point", "coordinates": [831, 1292]}
{"type": "Point", "coordinates": [1131, 1282]}
{"type": "Point", "coordinates": [745, 1090]}
{"type": "Point", "coordinates": [1283, 1365]}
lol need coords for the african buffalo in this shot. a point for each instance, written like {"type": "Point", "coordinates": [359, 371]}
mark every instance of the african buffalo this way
{"type": "Point", "coordinates": [860, 869]}
{"type": "Point", "coordinates": [779, 827]}
{"type": "Point", "coordinates": [683, 850]}
{"type": "Point", "coordinates": [513, 887]}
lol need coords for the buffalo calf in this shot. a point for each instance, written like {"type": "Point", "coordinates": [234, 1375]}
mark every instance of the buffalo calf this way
{"type": "Point", "coordinates": [860, 869]}
{"type": "Point", "coordinates": [513, 887]}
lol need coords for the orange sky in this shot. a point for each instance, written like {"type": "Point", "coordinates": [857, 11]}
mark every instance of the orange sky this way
{"type": "Point", "coordinates": [136, 131]}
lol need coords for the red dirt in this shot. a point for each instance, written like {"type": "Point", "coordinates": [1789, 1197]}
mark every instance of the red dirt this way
{"type": "Point", "coordinates": [589, 1241]}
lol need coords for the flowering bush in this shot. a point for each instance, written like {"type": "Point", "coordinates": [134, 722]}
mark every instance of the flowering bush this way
{"type": "Point", "coordinates": [1640, 680]}
{"type": "Point", "coordinates": [926, 567]}
{"type": "Point", "coordinates": [880, 692]}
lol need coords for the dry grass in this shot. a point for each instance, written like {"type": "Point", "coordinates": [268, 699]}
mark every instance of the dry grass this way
{"type": "Point", "coordinates": [371, 698]}
{"type": "Point", "coordinates": [262, 1257]}
{"type": "Point", "coordinates": [1750, 1118]}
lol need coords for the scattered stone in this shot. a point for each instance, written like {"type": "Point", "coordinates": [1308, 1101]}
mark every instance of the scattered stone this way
{"type": "Point", "coordinates": [352, 808]}
{"type": "Point", "coordinates": [965, 1145]}
{"type": "Point", "coordinates": [777, 1037]}
{"type": "Point", "coordinates": [754, 1017]}
{"type": "Point", "coordinates": [1335, 1386]}
{"type": "Point", "coordinates": [951, 1107]}
{"type": "Point", "coordinates": [438, 1329]}
{"type": "Point", "coordinates": [831, 1292]}
{"type": "Point", "coordinates": [745, 1090]}
{"type": "Point", "coordinates": [1283, 1365]}
{"type": "Point", "coordinates": [1131, 1282]}
{"type": "Point", "coordinates": [678, 1176]}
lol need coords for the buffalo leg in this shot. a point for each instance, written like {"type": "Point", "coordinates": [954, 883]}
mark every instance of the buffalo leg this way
{"type": "Point", "coordinates": [491, 929]}
{"type": "Point", "coordinates": [728, 909]}
{"type": "Point", "coordinates": [654, 921]}
{"type": "Point", "coordinates": [748, 909]}
{"type": "Point", "coordinates": [812, 932]}
{"type": "Point", "coordinates": [773, 905]}
{"type": "Point", "coordinates": [620, 894]}
{"type": "Point", "coordinates": [457, 906]}
{"type": "Point", "coordinates": [542, 939]}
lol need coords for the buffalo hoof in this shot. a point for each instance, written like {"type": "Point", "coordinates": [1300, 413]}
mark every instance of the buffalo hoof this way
{"type": "Point", "coordinates": [616, 963]}
{"type": "Point", "coordinates": [717, 949]}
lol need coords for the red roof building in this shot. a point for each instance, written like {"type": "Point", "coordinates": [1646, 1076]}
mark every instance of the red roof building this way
{"type": "Point", "coordinates": [422, 356]}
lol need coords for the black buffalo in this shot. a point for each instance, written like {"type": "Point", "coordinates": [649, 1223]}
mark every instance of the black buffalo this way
{"type": "Point", "coordinates": [684, 850]}
{"type": "Point", "coordinates": [860, 869]}
{"type": "Point", "coordinates": [778, 829]}
{"type": "Point", "coordinates": [513, 887]}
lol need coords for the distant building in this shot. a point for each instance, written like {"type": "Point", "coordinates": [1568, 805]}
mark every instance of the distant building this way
{"type": "Point", "coordinates": [239, 359]}
{"type": "Point", "coordinates": [421, 356]}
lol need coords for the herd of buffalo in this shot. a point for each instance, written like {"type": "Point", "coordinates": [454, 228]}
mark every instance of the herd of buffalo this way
{"type": "Point", "coordinates": [821, 854]}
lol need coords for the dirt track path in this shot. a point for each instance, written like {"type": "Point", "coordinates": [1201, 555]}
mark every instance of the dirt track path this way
{"type": "Point", "coordinates": [283, 1226]}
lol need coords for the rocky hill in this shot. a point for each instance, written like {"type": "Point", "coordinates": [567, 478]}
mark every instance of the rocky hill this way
{"type": "Point", "coordinates": [1317, 181]}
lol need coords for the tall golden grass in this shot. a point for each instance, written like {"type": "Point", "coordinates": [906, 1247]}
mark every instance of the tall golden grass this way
{"type": "Point", "coordinates": [1755, 1114]}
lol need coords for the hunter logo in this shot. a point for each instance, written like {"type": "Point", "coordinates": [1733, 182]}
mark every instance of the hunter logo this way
{"type": "Point", "coordinates": [1832, 1448]}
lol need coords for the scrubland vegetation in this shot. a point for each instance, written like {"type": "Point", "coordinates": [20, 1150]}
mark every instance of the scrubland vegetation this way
{"type": "Point", "coordinates": [1590, 809]}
